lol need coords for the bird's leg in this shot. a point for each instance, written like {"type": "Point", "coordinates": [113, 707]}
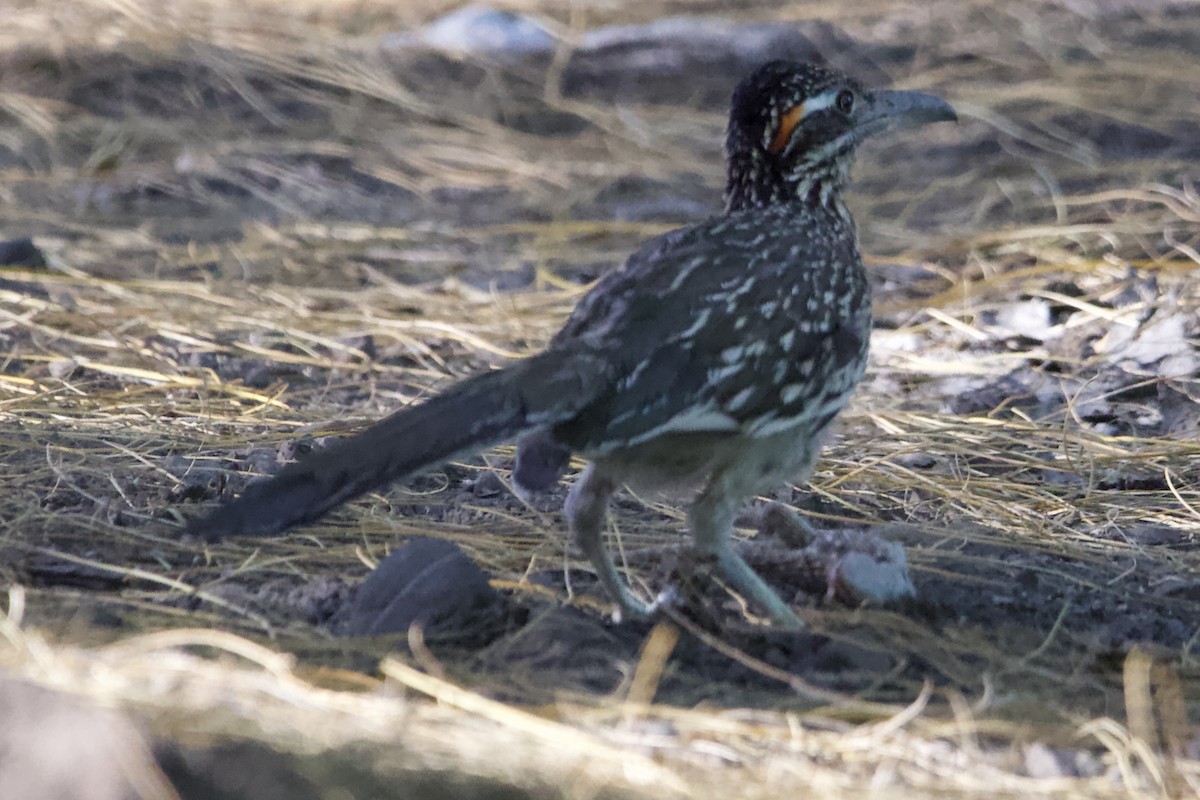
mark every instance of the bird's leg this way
{"type": "Point", "coordinates": [711, 522]}
{"type": "Point", "coordinates": [587, 508]}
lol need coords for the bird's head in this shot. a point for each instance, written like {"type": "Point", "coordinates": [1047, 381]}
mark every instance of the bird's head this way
{"type": "Point", "coordinates": [793, 130]}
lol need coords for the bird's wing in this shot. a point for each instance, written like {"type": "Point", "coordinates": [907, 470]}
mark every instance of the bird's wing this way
{"type": "Point", "coordinates": [723, 327]}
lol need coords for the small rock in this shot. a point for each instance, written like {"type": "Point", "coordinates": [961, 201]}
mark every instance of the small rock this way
{"type": "Point", "coordinates": [1041, 762]}
{"type": "Point", "coordinates": [427, 581]}
{"type": "Point", "coordinates": [879, 577]}
{"type": "Point", "coordinates": [482, 30]}
{"type": "Point", "coordinates": [62, 368]}
{"type": "Point", "coordinates": [1030, 318]}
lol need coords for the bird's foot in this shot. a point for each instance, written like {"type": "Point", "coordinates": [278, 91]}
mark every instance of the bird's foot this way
{"type": "Point", "coordinates": [745, 580]}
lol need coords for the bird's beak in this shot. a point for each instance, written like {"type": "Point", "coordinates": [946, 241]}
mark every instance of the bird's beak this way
{"type": "Point", "coordinates": [893, 109]}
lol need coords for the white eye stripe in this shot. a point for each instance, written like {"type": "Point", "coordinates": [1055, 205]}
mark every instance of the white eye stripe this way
{"type": "Point", "coordinates": [821, 102]}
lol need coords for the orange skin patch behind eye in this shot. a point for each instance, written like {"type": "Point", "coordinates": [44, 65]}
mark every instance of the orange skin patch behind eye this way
{"type": "Point", "coordinates": [787, 124]}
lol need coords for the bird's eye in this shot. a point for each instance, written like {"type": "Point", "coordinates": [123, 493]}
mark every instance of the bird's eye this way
{"type": "Point", "coordinates": [845, 101]}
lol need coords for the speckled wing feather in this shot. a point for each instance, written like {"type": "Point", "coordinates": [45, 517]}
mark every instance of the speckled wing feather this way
{"type": "Point", "coordinates": [744, 324]}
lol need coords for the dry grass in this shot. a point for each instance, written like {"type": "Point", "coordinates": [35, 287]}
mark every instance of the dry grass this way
{"type": "Point", "coordinates": [580, 747]}
{"type": "Point", "coordinates": [117, 384]}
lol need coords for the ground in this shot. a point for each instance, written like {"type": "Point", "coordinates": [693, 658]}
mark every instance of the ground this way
{"type": "Point", "coordinates": [254, 227]}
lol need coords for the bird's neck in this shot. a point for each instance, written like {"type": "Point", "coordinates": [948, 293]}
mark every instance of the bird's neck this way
{"type": "Point", "coordinates": [752, 184]}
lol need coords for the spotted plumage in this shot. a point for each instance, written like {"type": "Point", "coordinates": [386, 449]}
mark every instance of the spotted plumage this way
{"type": "Point", "coordinates": [716, 357]}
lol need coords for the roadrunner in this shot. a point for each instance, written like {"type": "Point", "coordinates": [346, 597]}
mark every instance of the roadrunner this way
{"type": "Point", "coordinates": [716, 357]}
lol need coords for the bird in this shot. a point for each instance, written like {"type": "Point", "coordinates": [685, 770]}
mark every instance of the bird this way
{"type": "Point", "coordinates": [715, 358]}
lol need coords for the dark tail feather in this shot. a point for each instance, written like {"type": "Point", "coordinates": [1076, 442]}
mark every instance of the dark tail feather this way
{"type": "Point", "coordinates": [475, 414]}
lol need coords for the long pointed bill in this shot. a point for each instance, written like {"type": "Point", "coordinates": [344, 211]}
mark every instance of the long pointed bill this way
{"type": "Point", "coordinates": [894, 109]}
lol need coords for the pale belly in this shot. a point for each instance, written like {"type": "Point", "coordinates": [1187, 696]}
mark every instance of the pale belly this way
{"type": "Point", "coordinates": [681, 463]}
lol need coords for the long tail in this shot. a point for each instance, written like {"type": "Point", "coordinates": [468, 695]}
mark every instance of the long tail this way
{"type": "Point", "coordinates": [470, 416]}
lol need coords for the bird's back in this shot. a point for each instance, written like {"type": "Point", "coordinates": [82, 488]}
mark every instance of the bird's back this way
{"type": "Point", "coordinates": [735, 330]}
